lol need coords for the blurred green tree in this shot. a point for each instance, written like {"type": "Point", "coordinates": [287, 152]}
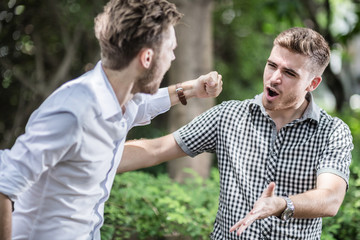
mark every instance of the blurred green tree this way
{"type": "Point", "coordinates": [43, 44]}
{"type": "Point", "coordinates": [244, 31]}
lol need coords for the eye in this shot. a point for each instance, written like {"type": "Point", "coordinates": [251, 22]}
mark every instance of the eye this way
{"type": "Point", "coordinates": [271, 65]}
{"type": "Point", "coordinates": [291, 74]}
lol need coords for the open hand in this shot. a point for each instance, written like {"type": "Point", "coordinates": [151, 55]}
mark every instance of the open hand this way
{"type": "Point", "coordinates": [267, 205]}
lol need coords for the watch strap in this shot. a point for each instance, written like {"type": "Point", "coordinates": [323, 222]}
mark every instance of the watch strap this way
{"type": "Point", "coordinates": [289, 210]}
{"type": "Point", "coordinates": [180, 92]}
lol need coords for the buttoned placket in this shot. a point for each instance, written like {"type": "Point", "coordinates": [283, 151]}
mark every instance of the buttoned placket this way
{"type": "Point", "coordinates": [277, 140]}
{"type": "Point", "coordinates": [121, 125]}
{"type": "Point", "coordinates": [273, 153]}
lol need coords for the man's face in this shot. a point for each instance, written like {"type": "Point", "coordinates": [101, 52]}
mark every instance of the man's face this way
{"type": "Point", "coordinates": [286, 80]}
{"type": "Point", "coordinates": [149, 81]}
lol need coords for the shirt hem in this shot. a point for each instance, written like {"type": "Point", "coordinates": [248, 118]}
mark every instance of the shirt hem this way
{"type": "Point", "coordinates": [334, 171]}
{"type": "Point", "coordinates": [182, 145]}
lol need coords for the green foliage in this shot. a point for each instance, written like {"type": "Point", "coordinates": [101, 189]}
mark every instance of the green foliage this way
{"type": "Point", "coordinates": [43, 44]}
{"type": "Point", "coordinates": [243, 38]}
{"type": "Point", "coordinates": [145, 206]}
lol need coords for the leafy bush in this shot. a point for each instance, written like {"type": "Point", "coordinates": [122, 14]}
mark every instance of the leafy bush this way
{"type": "Point", "coordinates": [150, 207]}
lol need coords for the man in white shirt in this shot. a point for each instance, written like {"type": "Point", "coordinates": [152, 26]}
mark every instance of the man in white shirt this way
{"type": "Point", "coordinates": [59, 173]}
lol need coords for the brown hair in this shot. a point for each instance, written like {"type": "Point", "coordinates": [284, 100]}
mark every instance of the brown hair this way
{"type": "Point", "coordinates": [127, 26]}
{"type": "Point", "coordinates": [307, 42]}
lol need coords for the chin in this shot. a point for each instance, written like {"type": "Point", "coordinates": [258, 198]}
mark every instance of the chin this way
{"type": "Point", "coordinates": [155, 86]}
{"type": "Point", "coordinates": [154, 91]}
{"type": "Point", "coordinates": [150, 89]}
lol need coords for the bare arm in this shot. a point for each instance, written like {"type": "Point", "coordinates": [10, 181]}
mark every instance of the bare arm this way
{"type": "Point", "coordinates": [205, 86]}
{"type": "Point", "coordinates": [149, 152]}
{"type": "Point", "coordinates": [323, 201]}
{"type": "Point", "coordinates": [5, 217]}
{"type": "Point", "coordinates": [145, 152]}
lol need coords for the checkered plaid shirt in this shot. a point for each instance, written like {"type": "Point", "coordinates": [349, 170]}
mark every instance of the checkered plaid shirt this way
{"type": "Point", "coordinates": [251, 154]}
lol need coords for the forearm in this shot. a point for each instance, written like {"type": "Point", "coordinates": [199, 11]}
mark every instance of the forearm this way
{"type": "Point", "coordinates": [5, 217]}
{"type": "Point", "coordinates": [323, 201]}
{"type": "Point", "coordinates": [316, 203]}
{"type": "Point", "coordinates": [148, 152]}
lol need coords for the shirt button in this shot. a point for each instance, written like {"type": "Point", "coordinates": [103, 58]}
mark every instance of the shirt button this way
{"type": "Point", "coordinates": [272, 153]}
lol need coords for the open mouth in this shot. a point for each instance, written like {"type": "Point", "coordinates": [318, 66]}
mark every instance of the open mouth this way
{"type": "Point", "coordinates": [272, 92]}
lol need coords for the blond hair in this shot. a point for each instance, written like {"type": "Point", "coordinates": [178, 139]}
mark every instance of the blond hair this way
{"type": "Point", "coordinates": [307, 42]}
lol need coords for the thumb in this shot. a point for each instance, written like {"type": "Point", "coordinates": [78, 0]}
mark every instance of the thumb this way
{"type": "Point", "coordinates": [269, 191]}
{"type": "Point", "coordinates": [213, 76]}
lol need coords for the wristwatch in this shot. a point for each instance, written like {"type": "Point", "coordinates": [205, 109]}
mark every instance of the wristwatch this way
{"type": "Point", "coordinates": [180, 92]}
{"type": "Point", "coordinates": [289, 210]}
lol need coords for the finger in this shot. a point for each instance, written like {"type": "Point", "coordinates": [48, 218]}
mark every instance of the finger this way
{"type": "Point", "coordinates": [219, 81]}
{"type": "Point", "coordinates": [250, 219]}
{"type": "Point", "coordinates": [237, 225]}
{"type": "Point", "coordinates": [212, 81]}
{"type": "Point", "coordinates": [244, 225]}
{"type": "Point", "coordinates": [212, 91]}
{"type": "Point", "coordinates": [241, 229]}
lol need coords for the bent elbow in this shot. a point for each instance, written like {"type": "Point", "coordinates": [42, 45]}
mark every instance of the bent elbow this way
{"type": "Point", "coordinates": [332, 213]}
{"type": "Point", "coordinates": [333, 209]}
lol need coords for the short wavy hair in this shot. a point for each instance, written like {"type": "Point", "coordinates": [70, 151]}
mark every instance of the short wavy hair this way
{"type": "Point", "coordinates": [307, 42]}
{"type": "Point", "coordinates": [127, 26]}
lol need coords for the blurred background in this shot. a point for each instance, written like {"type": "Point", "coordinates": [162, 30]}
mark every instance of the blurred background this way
{"type": "Point", "coordinates": [46, 43]}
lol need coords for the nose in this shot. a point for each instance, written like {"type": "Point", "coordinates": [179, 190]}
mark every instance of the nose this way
{"type": "Point", "coordinates": [275, 78]}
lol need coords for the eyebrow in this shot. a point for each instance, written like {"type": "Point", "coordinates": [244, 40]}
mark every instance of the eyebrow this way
{"type": "Point", "coordinates": [290, 70]}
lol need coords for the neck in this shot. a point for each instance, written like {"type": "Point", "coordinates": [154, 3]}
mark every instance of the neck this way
{"type": "Point", "coordinates": [122, 83]}
{"type": "Point", "coordinates": [283, 117]}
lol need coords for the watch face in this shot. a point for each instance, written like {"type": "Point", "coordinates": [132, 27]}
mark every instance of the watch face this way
{"type": "Point", "coordinates": [288, 213]}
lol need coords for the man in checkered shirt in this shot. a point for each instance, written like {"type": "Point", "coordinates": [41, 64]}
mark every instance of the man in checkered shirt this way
{"type": "Point", "coordinates": [283, 161]}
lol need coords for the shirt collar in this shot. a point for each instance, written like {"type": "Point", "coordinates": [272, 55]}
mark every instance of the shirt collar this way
{"type": "Point", "coordinates": [104, 93]}
{"type": "Point", "coordinates": [312, 111]}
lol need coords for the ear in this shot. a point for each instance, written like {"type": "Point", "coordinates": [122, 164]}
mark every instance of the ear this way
{"type": "Point", "coordinates": [146, 56]}
{"type": "Point", "coordinates": [315, 82]}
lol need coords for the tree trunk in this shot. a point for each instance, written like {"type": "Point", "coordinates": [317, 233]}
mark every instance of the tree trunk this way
{"type": "Point", "coordinates": [193, 58]}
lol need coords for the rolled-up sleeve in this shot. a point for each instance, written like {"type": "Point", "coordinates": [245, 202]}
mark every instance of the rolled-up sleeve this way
{"type": "Point", "coordinates": [200, 135]}
{"type": "Point", "coordinates": [336, 158]}
{"type": "Point", "coordinates": [48, 137]}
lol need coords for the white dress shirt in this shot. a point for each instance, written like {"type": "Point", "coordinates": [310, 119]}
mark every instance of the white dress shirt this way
{"type": "Point", "coordinates": [60, 172]}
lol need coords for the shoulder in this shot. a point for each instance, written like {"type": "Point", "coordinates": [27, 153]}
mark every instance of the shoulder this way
{"type": "Point", "coordinates": [332, 125]}
{"type": "Point", "coordinates": [75, 97]}
{"type": "Point", "coordinates": [234, 107]}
